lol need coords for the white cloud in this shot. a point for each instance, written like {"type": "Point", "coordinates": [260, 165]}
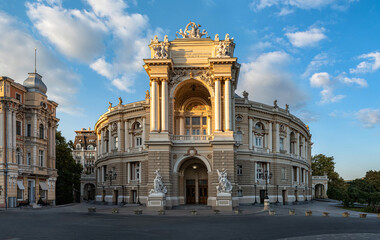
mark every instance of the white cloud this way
{"type": "Point", "coordinates": [322, 80]}
{"type": "Point", "coordinates": [266, 80]}
{"type": "Point", "coordinates": [285, 11]}
{"type": "Point", "coordinates": [18, 47]}
{"type": "Point", "coordinates": [318, 61]}
{"type": "Point", "coordinates": [307, 38]}
{"type": "Point", "coordinates": [301, 4]}
{"type": "Point", "coordinates": [371, 65]}
{"type": "Point", "coordinates": [350, 81]}
{"type": "Point", "coordinates": [105, 27]}
{"type": "Point", "coordinates": [368, 117]}
{"type": "Point", "coordinates": [76, 34]}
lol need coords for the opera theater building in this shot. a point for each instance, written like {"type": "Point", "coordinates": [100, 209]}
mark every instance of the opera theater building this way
{"type": "Point", "coordinates": [193, 140]}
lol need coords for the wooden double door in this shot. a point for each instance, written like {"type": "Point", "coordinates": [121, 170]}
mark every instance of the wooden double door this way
{"type": "Point", "coordinates": [196, 192]}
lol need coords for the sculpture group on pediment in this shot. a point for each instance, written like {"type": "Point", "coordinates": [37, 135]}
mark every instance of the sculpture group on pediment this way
{"type": "Point", "coordinates": [194, 32]}
{"type": "Point", "coordinates": [160, 51]}
{"type": "Point", "coordinates": [222, 49]}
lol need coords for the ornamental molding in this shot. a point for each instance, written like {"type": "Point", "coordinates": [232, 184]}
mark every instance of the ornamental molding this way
{"type": "Point", "coordinates": [179, 75]}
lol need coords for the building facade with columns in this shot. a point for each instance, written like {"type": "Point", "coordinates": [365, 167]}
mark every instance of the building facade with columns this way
{"type": "Point", "coordinates": [27, 142]}
{"type": "Point", "coordinates": [84, 153]}
{"type": "Point", "coordinates": [195, 139]}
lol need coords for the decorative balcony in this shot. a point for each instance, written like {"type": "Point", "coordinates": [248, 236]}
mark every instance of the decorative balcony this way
{"type": "Point", "coordinates": [191, 138]}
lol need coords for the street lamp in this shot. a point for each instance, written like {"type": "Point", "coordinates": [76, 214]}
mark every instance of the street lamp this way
{"type": "Point", "coordinates": [306, 194]}
{"type": "Point", "coordinates": [122, 190]}
{"type": "Point", "coordinates": [277, 195]}
{"type": "Point", "coordinates": [267, 176]}
{"type": "Point", "coordinates": [255, 195]}
{"type": "Point", "coordinates": [296, 194]}
{"type": "Point", "coordinates": [138, 192]}
{"type": "Point", "coordinates": [111, 175]}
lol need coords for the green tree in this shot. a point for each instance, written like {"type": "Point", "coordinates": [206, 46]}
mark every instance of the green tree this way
{"type": "Point", "coordinates": [373, 177]}
{"type": "Point", "coordinates": [321, 165]}
{"type": "Point", "coordinates": [69, 172]}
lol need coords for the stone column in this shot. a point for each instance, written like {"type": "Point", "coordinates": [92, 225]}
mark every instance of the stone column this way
{"type": "Point", "coordinates": [109, 138]}
{"type": "Point", "coordinates": [102, 141]}
{"type": "Point", "coordinates": [298, 144]}
{"type": "Point", "coordinates": [209, 128]}
{"type": "Point", "coordinates": [9, 136]}
{"type": "Point", "coordinates": [227, 104]}
{"type": "Point", "coordinates": [2, 128]}
{"type": "Point", "coordinates": [277, 137]}
{"type": "Point", "coordinates": [181, 125]}
{"type": "Point", "coordinates": [129, 173]}
{"type": "Point", "coordinates": [126, 136]}
{"type": "Point", "coordinates": [14, 137]}
{"type": "Point", "coordinates": [250, 134]}
{"type": "Point", "coordinates": [153, 107]}
{"type": "Point", "coordinates": [270, 140]}
{"type": "Point", "coordinates": [217, 105]}
{"type": "Point", "coordinates": [288, 145]}
{"type": "Point", "coordinates": [143, 132]}
{"type": "Point", "coordinates": [164, 105]}
{"type": "Point", "coordinates": [119, 136]}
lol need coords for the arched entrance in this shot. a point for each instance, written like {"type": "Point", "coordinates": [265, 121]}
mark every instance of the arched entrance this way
{"type": "Point", "coordinates": [319, 191]}
{"type": "Point", "coordinates": [89, 192]}
{"type": "Point", "coordinates": [193, 182]}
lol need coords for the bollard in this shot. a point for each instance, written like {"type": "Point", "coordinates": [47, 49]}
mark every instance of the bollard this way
{"type": "Point", "coordinates": [325, 214]}
{"type": "Point", "coordinates": [91, 209]}
{"type": "Point", "coordinates": [266, 204]}
{"type": "Point", "coordinates": [193, 212]}
{"type": "Point", "coordinates": [308, 213]}
{"type": "Point", "coordinates": [138, 211]}
{"type": "Point", "coordinates": [292, 212]}
{"type": "Point", "coordinates": [238, 211]}
{"type": "Point", "coordinates": [272, 212]}
{"type": "Point", "coordinates": [378, 215]}
{"type": "Point", "coordinates": [161, 212]}
{"type": "Point", "coordinates": [216, 211]}
{"type": "Point", "coordinates": [345, 214]}
{"type": "Point", "coordinates": [362, 215]}
{"type": "Point", "coordinates": [115, 210]}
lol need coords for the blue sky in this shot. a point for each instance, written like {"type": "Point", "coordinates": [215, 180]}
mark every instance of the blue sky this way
{"type": "Point", "coordinates": [320, 56]}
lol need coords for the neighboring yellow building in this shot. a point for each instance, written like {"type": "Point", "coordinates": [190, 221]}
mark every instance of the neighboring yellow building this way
{"type": "Point", "coordinates": [194, 141]}
{"type": "Point", "coordinates": [27, 142]}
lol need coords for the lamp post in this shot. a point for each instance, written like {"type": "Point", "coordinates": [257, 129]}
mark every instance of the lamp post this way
{"type": "Point", "coordinates": [122, 190]}
{"type": "Point", "coordinates": [277, 194]}
{"type": "Point", "coordinates": [138, 193]}
{"type": "Point", "coordinates": [103, 195]}
{"type": "Point", "coordinates": [111, 175]}
{"type": "Point", "coordinates": [267, 176]}
{"type": "Point", "coordinates": [255, 195]}
{"type": "Point", "coordinates": [296, 194]}
{"type": "Point", "coordinates": [306, 194]}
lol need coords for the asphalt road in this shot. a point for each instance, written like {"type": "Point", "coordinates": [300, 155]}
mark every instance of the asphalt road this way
{"type": "Point", "coordinates": [49, 225]}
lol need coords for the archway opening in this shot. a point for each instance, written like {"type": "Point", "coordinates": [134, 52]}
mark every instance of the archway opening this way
{"type": "Point", "coordinates": [89, 192]}
{"type": "Point", "coordinates": [319, 191]}
{"type": "Point", "coordinates": [192, 109]}
{"type": "Point", "coordinates": [193, 182]}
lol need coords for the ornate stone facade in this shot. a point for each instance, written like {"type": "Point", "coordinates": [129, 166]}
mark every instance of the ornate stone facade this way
{"type": "Point", "coordinates": [27, 142]}
{"type": "Point", "coordinates": [192, 125]}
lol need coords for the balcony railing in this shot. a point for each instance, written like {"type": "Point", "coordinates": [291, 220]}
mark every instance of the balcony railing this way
{"type": "Point", "coordinates": [192, 138]}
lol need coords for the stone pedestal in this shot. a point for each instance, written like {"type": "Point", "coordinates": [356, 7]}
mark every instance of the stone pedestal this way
{"type": "Point", "coordinates": [223, 202]}
{"type": "Point", "coordinates": [156, 201]}
{"type": "Point", "coordinates": [266, 204]}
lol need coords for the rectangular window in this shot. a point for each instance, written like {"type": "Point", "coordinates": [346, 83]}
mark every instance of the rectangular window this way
{"type": "Point", "coordinates": [28, 158]}
{"type": "Point", "coordinates": [20, 194]}
{"type": "Point", "coordinates": [41, 157]}
{"type": "Point", "coordinates": [240, 193]}
{"type": "Point", "coordinates": [281, 144]}
{"type": "Point", "coordinates": [204, 120]}
{"type": "Point", "coordinates": [28, 130]}
{"type": "Point", "coordinates": [204, 132]}
{"type": "Point", "coordinates": [138, 141]}
{"type": "Point", "coordinates": [283, 173]}
{"type": "Point", "coordinates": [116, 142]}
{"type": "Point", "coordinates": [187, 131]}
{"type": "Point", "coordinates": [18, 97]}
{"type": "Point", "coordinates": [187, 121]}
{"type": "Point", "coordinates": [193, 131]}
{"type": "Point", "coordinates": [295, 179]}
{"type": "Point", "coordinates": [18, 128]}
{"type": "Point", "coordinates": [104, 173]}
{"type": "Point", "coordinates": [259, 142]}
{"type": "Point", "coordinates": [196, 121]}
{"type": "Point", "coordinates": [239, 170]}
{"type": "Point", "coordinates": [135, 171]}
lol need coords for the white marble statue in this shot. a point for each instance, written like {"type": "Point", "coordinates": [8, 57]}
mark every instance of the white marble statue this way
{"type": "Point", "coordinates": [192, 32]}
{"type": "Point", "coordinates": [222, 49]}
{"type": "Point", "coordinates": [224, 184]}
{"type": "Point", "coordinates": [160, 51]}
{"type": "Point", "coordinates": [158, 185]}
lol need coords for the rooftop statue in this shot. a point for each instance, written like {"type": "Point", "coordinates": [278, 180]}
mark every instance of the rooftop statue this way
{"type": "Point", "coordinates": [194, 32]}
{"type": "Point", "coordinates": [160, 51]}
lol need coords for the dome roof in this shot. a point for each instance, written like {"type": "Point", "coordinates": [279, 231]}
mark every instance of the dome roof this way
{"type": "Point", "coordinates": [34, 83]}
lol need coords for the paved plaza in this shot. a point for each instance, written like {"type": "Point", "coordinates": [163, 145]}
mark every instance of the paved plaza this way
{"type": "Point", "coordinates": [74, 222]}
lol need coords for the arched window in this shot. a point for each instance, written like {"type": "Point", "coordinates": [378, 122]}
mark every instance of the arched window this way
{"type": "Point", "coordinates": [42, 131]}
{"type": "Point", "coordinates": [78, 146]}
{"type": "Point", "coordinates": [19, 156]}
{"type": "Point", "coordinates": [259, 126]}
{"type": "Point", "coordinates": [90, 147]}
{"type": "Point", "coordinates": [137, 125]}
{"type": "Point", "coordinates": [259, 137]}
